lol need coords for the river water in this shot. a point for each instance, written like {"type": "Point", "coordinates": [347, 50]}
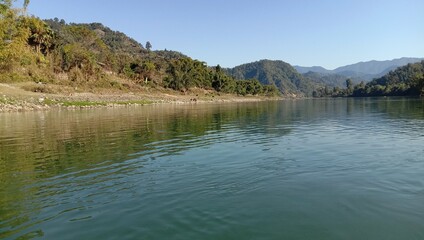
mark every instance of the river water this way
{"type": "Point", "coordinates": [292, 169]}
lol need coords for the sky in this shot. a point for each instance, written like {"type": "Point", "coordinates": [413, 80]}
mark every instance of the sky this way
{"type": "Point", "coordinates": [328, 33]}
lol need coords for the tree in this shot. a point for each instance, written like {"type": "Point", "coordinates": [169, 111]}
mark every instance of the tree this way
{"type": "Point", "coordinates": [218, 68]}
{"type": "Point", "coordinates": [26, 3]}
{"type": "Point", "coordinates": [253, 87]}
{"type": "Point", "coordinates": [5, 5]}
{"type": "Point", "coordinates": [148, 46]}
{"type": "Point", "coordinates": [349, 87]}
{"type": "Point", "coordinates": [349, 84]}
{"type": "Point", "coordinates": [41, 36]}
{"type": "Point", "coordinates": [13, 38]}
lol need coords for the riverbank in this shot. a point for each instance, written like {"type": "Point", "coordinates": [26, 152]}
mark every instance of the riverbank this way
{"type": "Point", "coordinates": [35, 97]}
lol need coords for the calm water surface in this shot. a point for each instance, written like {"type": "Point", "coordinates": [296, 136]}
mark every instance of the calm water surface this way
{"type": "Point", "coordinates": [304, 169]}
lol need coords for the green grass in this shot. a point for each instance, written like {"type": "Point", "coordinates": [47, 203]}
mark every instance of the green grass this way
{"type": "Point", "coordinates": [139, 102]}
{"type": "Point", "coordinates": [93, 103]}
{"type": "Point", "coordinates": [6, 101]}
{"type": "Point", "coordinates": [82, 104]}
{"type": "Point", "coordinates": [74, 103]}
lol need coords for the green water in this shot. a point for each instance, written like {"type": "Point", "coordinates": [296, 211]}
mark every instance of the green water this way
{"type": "Point", "coordinates": [294, 169]}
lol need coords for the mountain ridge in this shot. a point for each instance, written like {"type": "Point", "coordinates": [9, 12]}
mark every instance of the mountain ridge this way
{"type": "Point", "coordinates": [274, 72]}
{"type": "Point", "coordinates": [407, 80]}
{"type": "Point", "coordinates": [366, 70]}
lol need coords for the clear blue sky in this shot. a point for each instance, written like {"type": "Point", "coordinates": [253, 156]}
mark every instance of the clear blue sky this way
{"type": "Point", "coordinates": [328, 33]}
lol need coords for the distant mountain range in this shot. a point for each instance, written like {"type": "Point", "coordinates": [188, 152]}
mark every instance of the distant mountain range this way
{"type": "Point", "coordinates": [363, 70]}
{"type": "Point", "coordinates": [304, 80]}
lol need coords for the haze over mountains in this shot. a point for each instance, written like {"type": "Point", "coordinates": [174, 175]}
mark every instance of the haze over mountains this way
{"type": "Point", "coordinates": [363, 70]}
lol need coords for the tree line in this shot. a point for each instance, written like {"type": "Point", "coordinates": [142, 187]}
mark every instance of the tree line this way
{"type": "Point", "coordinates": [403, 81]}
{"type": "Point", "coordinates": [53, 51]}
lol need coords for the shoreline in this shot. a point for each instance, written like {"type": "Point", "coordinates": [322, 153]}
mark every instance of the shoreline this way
{"type": "Point", "coordinates": [13, 98]}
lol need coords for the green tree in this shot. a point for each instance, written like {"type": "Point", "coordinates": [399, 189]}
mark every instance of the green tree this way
{"type": "Point", "coordinates": [349, 84]}
{"type": "Point", "coordinates": [184, 73]}
{"type": "Point", "coordinates": [148, 46]}
{"type": "Point", "coordinates": [5, 5]}
{"type": "Point", "coordinates": [41, 36]}
{"type": "Point", "coordinates": [14, 50]}
{"type": "Point", "coordinates": [253, 87]}
{"type": "Point", "coordinates": [26, 3]}
{"type": "Point", "coordinates": [148, 71]}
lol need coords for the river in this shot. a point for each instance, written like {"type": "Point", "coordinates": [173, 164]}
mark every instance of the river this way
{"type": "Point", "coordinates": [293, 169]}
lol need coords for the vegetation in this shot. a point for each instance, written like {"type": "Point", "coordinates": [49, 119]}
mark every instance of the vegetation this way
{"type": "Point", "coordinates": [406, 80]}
{"type": "Point", "coordinates": [94, 56]}
{"type": "Point", "coordinates": [329, 79]}
{"type": "Point", "coordinates": [275, 73]}
{"type": "Point", "coordinates": [88, 56]}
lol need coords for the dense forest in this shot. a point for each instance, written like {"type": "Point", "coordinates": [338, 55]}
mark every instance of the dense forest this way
{"type": "Point", "coordinates": [329, 79]}
{"type": "Point", "coordinates": [94, 56]}
{"type": "Point", "coordinates": [404, 81]}
{"type": "Point", "coordinates": [278, 73]}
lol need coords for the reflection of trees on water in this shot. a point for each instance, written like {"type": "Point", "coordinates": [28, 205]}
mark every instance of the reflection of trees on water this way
{"type": "Point", "coordinates": [401, 107]}
{"type": "Point", "coordinates": [51, 143]}
{"type": "Point", "coordinates": [43, 146]}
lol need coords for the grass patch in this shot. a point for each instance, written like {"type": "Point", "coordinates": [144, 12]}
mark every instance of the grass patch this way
{"type": "Point", "coordinates": [74, 103]}
{"type": "Point", "coordinates": [93, 103]}
{"type": "Point", "coordinates": [82, 104]}
{"type": "Point", "coordinates": [138, 102]}
{"type": "Point", "coordinates": [7, 101]}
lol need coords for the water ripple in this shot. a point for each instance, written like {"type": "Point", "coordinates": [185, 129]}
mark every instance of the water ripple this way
{"type": "Point", "coordinates": [319, 167]}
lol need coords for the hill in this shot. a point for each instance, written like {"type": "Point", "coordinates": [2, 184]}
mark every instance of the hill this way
{"type": "Point", "coordinates": [404, 81]}
{"type": "Point", "coordinates": [91, 56]}
{"type": "Point", "coordinates": [376, 67]}
{"type": "Point", "coordinates": [277, 73]}
{"type": "Point", "coordinates": [329, 79]}
{"type": "Point", "coordinates": [117, 41]}
{"type": "Point", "coordinates": [363, 71]}
{"type": "Point", "coordinates": [316, 69]}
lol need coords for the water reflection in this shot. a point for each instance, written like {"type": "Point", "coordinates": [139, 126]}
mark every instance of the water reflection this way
{"type": "Point", "coordinates": [68, 166]}
{"type": "Point", "coordinates": [43, 154]}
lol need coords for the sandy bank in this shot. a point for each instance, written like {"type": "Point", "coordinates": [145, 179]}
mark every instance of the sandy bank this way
{"type": "Point", "coordinates": [14, 97]}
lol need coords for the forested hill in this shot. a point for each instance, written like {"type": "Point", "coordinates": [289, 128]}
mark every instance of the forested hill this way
{"type": "Point", "coordinates": [278, 73]}
{"type": "Point", "coordinates": [329, 80]}
{"type": "Point", "coordinates": [404, 81]}
{"type": "Point", "coordinates": [94, 56]}
{"type": "Point", "coordinates": [117, 41]}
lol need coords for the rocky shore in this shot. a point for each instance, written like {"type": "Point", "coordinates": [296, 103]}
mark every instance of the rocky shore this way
{"type": "Point", "coordinates": [13, 98]}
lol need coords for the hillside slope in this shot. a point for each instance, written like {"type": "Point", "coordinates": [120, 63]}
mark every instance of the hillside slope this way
{"type": "Point", "coordinates": [278, 73]}
{"type": "Point", "coordinates": [89, 57]}
{"type": "Point", "coordinates": [404, 81]}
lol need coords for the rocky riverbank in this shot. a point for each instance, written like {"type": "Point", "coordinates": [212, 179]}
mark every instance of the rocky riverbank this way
{"type": "Point", "coordinates": [14, 98]}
